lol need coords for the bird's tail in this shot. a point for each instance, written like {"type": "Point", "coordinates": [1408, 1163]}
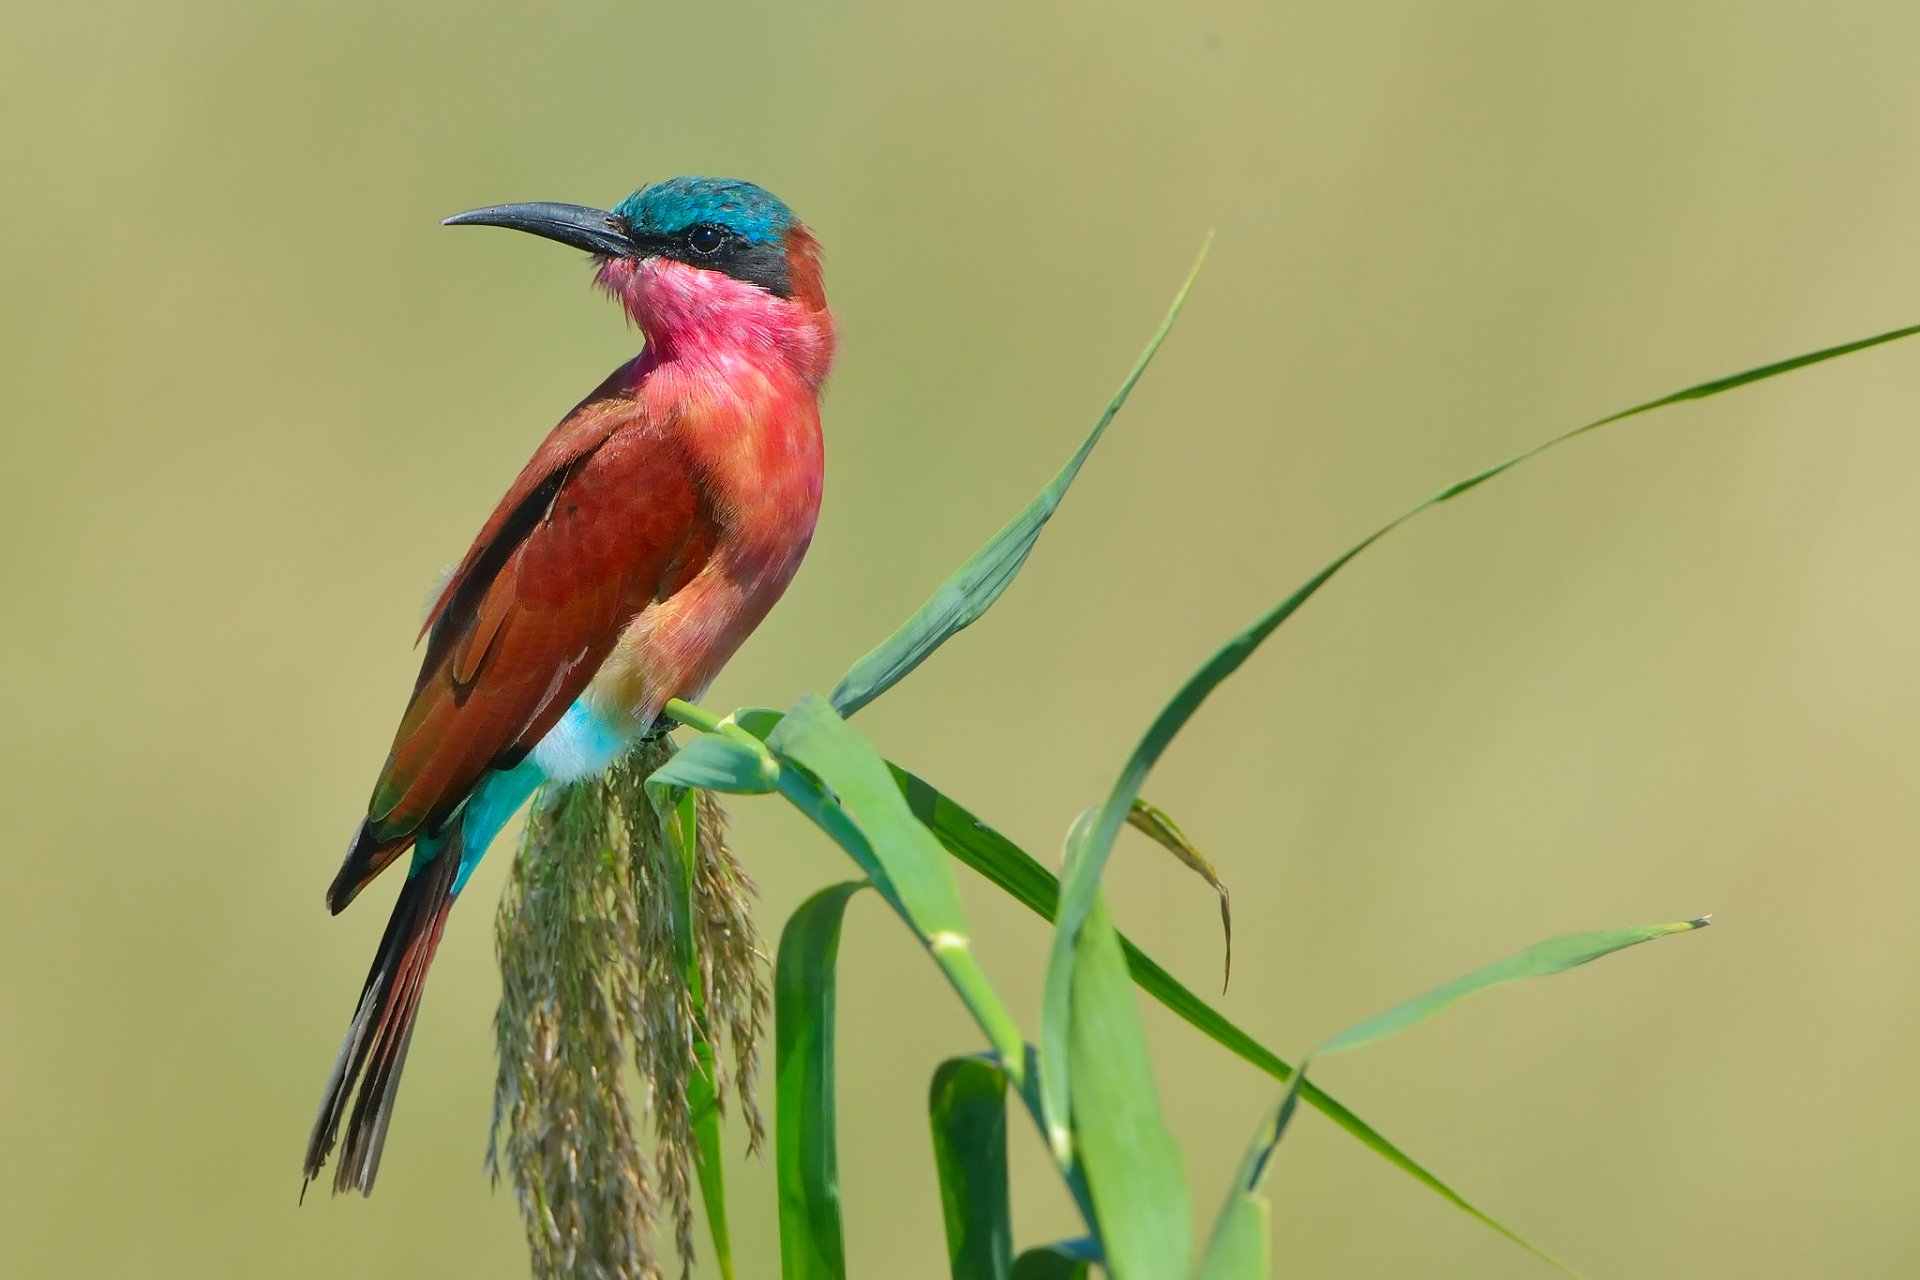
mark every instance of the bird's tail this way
{"type": "Point", "coordinates": [375, 1048]}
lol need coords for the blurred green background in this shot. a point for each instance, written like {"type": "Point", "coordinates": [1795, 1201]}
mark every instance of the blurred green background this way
{"type": "Point", "coordinates": [255, 398]}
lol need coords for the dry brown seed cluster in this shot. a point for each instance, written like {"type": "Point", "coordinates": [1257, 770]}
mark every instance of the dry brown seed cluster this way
{"type": "Point", "coordinates": [594, 975]}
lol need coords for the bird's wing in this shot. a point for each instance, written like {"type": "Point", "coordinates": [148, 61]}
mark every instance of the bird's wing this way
{"type": "Point", "coordinates": [586, 538]}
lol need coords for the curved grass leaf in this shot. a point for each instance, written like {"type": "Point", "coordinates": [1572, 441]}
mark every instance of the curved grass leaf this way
{"type": "Point", "coordinates": [1555, 955]}
{"type": "Point", "coordinates": [1165, 832]}
{"type": "Point", "coordinates": [967, 1108]}
{"type": "Point", "coordinates": [1077, 898]}
{"type": "Point", "coordinates": [806, 1158]}
{"type": "Point", "coordinates": [1064, 1260]}
{"type": "Point", "coordinates": [1241, 1244]}
{"type": "Point", "coordinates": [1024, 879]}
{"type": "Point", "coordinates": [715, 763]}
{"type": "Point", "coordinates": [973, 588]}
{"type": "Point", "coordinates": [1071, 1172]}
{"type": "Point", "coordinates": [703, 1105]}
{"type": "Point", "coordinates": [1131, 1162]}
{"type": "Point", "coordinates": [1543, 959]}
{"type": "Point", "coordinates": [844, 786]}
{"type": "Point", "coordinates": [758, 721]}
{"type": "Point", "coordinates": [680, 818]}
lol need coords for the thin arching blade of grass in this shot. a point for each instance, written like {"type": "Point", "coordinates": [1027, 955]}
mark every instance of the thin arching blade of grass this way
{"type": "Point", "coordinates": [703, 1104]}
{"type": "Point", "coordinates": [1131, 1163]}
{"type": "Point", "coordinates": [905, 864]}
{"type": "Point", "coordinates": [836, 778]}
{"type": "Point", "coordinates": [973, 588]}
{"type": "Point", "coordinates": [1077, 898]}
{"type": "Point", "coordinates": [806, 1158]}
{"type": "Point", "coordinates": [1017, 873]}
{"type": "Point", "coordinates": [1555, 955]}
{"type": "Point", "coordinates": [716, 763]}
{"type": "Point", "coordinates": [1241, 1244]}
{"type": "Point", "coordinates": [681, 818]}
{"type": "Point", "coordinates": [1166, 833]}
{"type": "Point", "coordinates": [967, 1109]}
{"type": "Point", "coordinates": [1022, 877]}
{"type": "Point", "coordinates": [1063, 1260]}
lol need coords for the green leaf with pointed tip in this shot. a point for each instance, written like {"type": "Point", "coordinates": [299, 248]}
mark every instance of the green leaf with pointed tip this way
{"type": "Point", "coordinates": [1070, 1172]}
{"type": "Point", "coordinates": [1023, 878]}
{"type": "Point", "coordinates": [844, 786]}
{"type": "Point", "coordinates": [1231, 1233]}
{"type": "Point", "coordinates": [1017, 873]}
{"type": "Point", "coordinates": [1119, 1138]}
{"type": "Point", "coordinates": [806, 1158]}
{"type": "Point", "coordinates": [715, 764]}
{"type": "Point", "coordinates": [680, 815]}
{"type": "Point", "coordinates": [971, 591]}
{"type": "Point", "coordinates": [967, 1108]}
{"type": "Point", "coordinates": [1063, 1260]}
{"type": "Point", "coordinates": [1241, 1244]}
{"type": "Point", "coordinates": [1077, 898]}
{"type": "Point", "coordinates": [1555, 955]}
{"type": "Point", "coordinates": [680, 818]}
{"type": "Point", "coordinates": [703, 1106]}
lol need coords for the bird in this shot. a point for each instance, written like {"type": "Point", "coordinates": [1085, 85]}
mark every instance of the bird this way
{"type": "Point", "coordinates": [650, 533]}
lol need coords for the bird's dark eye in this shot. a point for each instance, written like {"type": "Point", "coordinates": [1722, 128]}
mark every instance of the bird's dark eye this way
{"type": "Point", "coordinates": [705, 238]}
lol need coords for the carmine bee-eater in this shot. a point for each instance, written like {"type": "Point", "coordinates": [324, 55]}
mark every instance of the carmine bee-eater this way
{"type": "Point", "coordinates": [648, 536]}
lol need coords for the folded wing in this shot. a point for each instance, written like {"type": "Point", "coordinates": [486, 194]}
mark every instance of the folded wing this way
{"type": "Point", "coordinates": [587, 537]}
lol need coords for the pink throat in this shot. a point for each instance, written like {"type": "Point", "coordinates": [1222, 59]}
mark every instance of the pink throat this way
{"type": "Point", "coordinates": [687, 313]}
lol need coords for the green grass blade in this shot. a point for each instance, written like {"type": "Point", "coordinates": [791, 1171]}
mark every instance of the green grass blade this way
{"type": "Point", "coordinates": [1063, 1260]}
{"type": "Point", "coordinates": [862, 809]}
{"type": "Point", "coordinates": [1165, 832]}
{"type": "Point", "coordinates": [1242, 1241]}
{"type": "Point", "coordinates": [1283, 1116]}
{"type": "Point", "coordinates": [806, 1158]}
{"type": "Point", "coordinates": [1131, 1162]}
{"type": "Point", "coordinates": [1077, 898]}
{"type": "Point", "coordinates": [1023, 878]}
{"type": "Point", "coordinates": [1071, 1173]}
{"type": "Point", "coordinates": [973, 588]}
{"type": "Point", "coordinates": [680, 819]}
{"type": "Point", "coordinates": [716, 764]}
{"type": "Point", "coordinates": [1555, 955]}
{"type": "Point", "coordinates": [703, 1105]}
{"type": "Point", "coordinates": [1241, 1244]}
{"type": "Point", "coordinates": [758, 721]}
{"type": "Point", "coordinates": [680, 816]}
{"type": "Point", "coordinates": [967, 1108]}
{"type": "Point", "coordinates": [703, 1101]}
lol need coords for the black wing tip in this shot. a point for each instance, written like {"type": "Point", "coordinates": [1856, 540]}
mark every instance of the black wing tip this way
{"type": "Point", "coordinates": [342, 891]}
{"type": "Point", "coordinates": [366, 858]}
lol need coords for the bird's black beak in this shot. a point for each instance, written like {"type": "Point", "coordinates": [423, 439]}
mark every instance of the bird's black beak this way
{"type": "Point", "coordinates": [594, 230]}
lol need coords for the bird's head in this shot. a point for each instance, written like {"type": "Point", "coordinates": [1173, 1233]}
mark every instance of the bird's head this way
{"type": "Point", "coordinates": [689, 257]}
